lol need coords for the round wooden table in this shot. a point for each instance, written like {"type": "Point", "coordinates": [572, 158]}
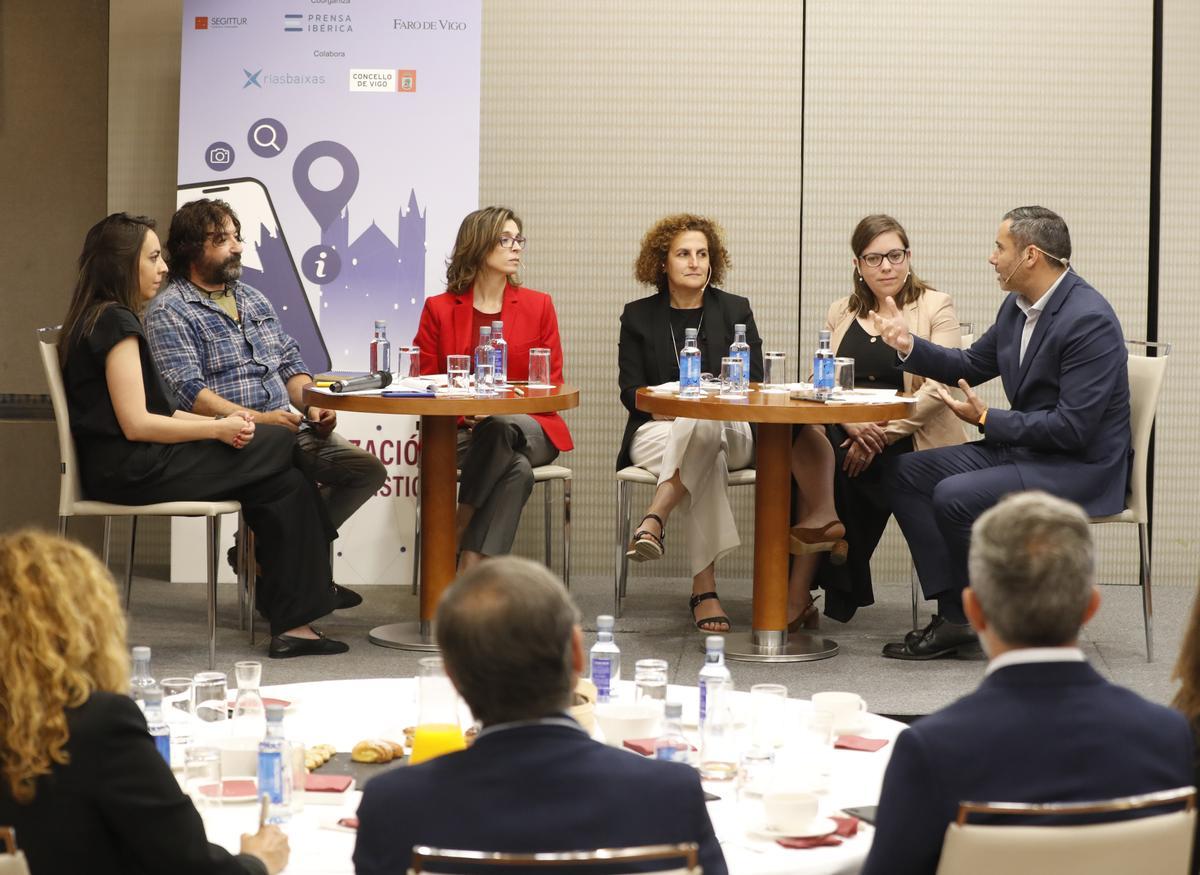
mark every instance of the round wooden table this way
{"type": "Point", "coordinates": [775, 413]}
{"type": "Point", "coordinates": [439, 416]}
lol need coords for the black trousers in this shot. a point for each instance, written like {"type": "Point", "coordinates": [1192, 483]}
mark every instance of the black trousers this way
{"type": "Point", "coordinates": [282, 506]}
{"type": "Point", "coordinates": [864, 505]}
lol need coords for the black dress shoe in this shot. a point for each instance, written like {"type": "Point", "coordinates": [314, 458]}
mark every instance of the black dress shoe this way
{"type": "Point", "coordinates": [346, 597]}
{"type": "Point", "coordinates": [287, 646]}
{"type": "Point", "coordinates": [939, 638]}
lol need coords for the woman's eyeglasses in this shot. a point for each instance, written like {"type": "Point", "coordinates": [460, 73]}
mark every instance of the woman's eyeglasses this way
{"type": "Point", "coordinates": [507, 242]}
{"type": "Point", "coordinates": [874, 259]}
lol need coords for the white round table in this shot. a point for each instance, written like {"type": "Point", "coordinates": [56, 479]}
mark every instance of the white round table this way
{"type": "Point", "coordinates": [342, 713]}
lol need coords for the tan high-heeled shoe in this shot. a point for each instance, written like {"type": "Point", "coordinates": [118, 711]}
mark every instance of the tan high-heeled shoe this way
{"type": "Point", "coordinates": [830, 538]}
{"type": "Point", "coordinates": [809, 618]}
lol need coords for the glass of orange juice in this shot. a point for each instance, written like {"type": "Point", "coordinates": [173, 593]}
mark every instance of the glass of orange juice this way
{"type": "Point", "coordinates": [438, 731]}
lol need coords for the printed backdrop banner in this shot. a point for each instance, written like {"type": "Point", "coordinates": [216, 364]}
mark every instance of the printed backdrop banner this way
{"type": "Point", "coordinates": [345, 135]}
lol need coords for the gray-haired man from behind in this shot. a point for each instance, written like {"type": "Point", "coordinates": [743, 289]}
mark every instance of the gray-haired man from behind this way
{"type": "Point", "coordinates": [1043, 726]}
{"type": "Point", "coordinates": [533, 780]}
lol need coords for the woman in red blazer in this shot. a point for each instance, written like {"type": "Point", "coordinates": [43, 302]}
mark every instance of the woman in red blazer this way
{"type": "Point", "coordinates": [496, 454]}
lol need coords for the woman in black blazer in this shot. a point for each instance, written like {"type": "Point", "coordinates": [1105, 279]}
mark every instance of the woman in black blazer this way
{"type": "Point", "coordinates": [681, 256]}
{"type": "Point", "coordinates": [80, 778]}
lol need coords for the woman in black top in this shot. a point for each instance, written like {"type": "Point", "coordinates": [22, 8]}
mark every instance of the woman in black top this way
{"type": "Point", "coordinates": [81, 781]}
{"type": "Point", "coordinates": [135, 447]}
{"type": "Point", "coordinates": [680, 256]}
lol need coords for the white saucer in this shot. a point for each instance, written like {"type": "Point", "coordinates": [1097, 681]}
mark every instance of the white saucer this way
{"type": "Point", "coordinates": [855, 728]}
{"type": "Point", "coordinates": [820, 826]}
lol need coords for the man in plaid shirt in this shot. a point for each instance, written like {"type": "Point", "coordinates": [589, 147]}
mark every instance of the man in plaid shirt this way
{"type": "Point", "coordinates": [220, 347]}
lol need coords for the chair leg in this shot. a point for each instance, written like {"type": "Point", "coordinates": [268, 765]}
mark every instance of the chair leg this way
{"type": "Point", "coordinates": [626, 500]}
{"type": "Point", "coordinates": [566, 497]}
{"type": "Point", "coordinates": [62, 526]}
{"type": "Point", "coordinates": [916, 587]}
{"type": "Point", "coordinates": [107, 538]}
{"type": "Point", "coordinates": [1147, 606]}
{"type": "Point", "coordinates": [241, 571]}
{"type": "Point", "coordinates": [620, 564]}
{"type": "Point", "coordinates": [214, 534]}
{"type": "Point", "coordinates": [251, 581]}
{"type": "Point", "coordinates": [129, 561]}
{"type": "Point", "coordinates": [546, 522]}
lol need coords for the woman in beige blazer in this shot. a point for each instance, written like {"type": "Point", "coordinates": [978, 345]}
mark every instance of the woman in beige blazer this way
{"type": "Point", "coordinates": [857, 457]}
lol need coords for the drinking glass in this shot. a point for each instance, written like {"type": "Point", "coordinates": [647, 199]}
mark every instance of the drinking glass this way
{"type": "Point", "coordinates": [719, 752]}
{"type": "Point", "coordinates": [815, 748]}
{"type": "Point", "coordinates": [202, 776]}
{"type": "Point", "coordinates": [485, 380]}
{"type": "Point", "coordinates": [438, 730]}
{"type": "Point", "coordinates": [755, 772]}
{"type": "Point", "coordinates": [650, 679]}
{"type": "Point", "coordinates": [768, 711]}
{"type": "Point", "coordinates": [458, 372]}
{"type": "Point", "coordinates": [210, 705]}
{"type": "Point", "coordinates": [731, 377]}
{"type": "Point", "coordinates": [539, 369]}
{"type": "Point", "coordinates": [774, 372]}
{"type": "Point", "coordinates": [408, 362]}
{"type": "Point", "coordinates": [843, 374]}
{"type": "Point", "coordinates": [177, 709]}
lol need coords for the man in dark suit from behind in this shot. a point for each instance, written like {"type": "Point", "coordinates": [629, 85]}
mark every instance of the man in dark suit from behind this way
{"type": "Point", "coordinates": [533, 780]}
{"type": "Point", "coordinates": [1043, 726]}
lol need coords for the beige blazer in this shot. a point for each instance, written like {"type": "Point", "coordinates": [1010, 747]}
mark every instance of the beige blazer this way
{"type": "Point", "coordinates": [932, 317]}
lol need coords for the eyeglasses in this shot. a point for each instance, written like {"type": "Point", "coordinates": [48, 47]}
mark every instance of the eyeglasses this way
{"type": "Point", "coordinates": [874, 259]}
{"type": "Point", "coordinates": [507, 242]}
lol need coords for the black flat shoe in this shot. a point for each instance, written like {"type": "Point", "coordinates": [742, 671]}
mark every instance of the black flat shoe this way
{"type": "Point", "coordinates": [346, 597]}
{"type": "Point", "coordinates": [287, 646]}
{"type": "Point", "coordinates": [939, 638]}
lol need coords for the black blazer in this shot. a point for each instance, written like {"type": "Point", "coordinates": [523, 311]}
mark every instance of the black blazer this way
{"type": "Point", "coordinates": [115, 808]}
{"type": "Point", "coordinates": [646, 355]}
{"type": "Point", "coordinates": [541, 787]}
{"type": "Point", "coordinates": [1039, 732]}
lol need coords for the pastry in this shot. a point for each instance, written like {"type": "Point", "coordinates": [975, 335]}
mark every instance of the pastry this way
{"type": "Point", "coordinates": [373, 750]}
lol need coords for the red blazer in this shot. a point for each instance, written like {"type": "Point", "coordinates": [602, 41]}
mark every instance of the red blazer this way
{"type": "Point", "coordinates": [529, 321]}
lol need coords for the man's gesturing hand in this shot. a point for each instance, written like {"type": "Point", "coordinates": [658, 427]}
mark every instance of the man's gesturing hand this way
{"type": "Point", "coordinates": [890, 324]}
{"type": "Point", "coordinates": [970, 411]}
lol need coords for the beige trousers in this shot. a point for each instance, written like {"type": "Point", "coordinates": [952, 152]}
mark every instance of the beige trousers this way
{"type": "Point", "coordinates": [703, 451]}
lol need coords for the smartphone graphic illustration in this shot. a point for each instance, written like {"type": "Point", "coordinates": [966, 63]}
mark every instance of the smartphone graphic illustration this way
{"type": "Point", "coordinates": [267, 262]}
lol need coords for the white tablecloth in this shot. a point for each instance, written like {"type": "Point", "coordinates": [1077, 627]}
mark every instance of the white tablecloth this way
{"type": "Point", "coordinates": [342, 713]}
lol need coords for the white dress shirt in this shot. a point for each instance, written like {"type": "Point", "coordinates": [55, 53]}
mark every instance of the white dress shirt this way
{"type": "Point", "coordinates": [1027, 655]}
{"type": "Point", "coordinates": [1033, 311]}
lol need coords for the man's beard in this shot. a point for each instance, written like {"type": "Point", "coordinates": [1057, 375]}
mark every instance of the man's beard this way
{"type": "Point", "coordinates": [223, 272]}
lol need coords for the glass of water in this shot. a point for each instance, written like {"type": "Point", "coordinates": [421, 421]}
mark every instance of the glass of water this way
{"type": "Point", "coordinates": [177, 709]}
{"type": "Point", "coordinates": [485, 380]}
{"type": "Point", "coordinates": [458, 372]}
{"type": "Point", "coordinates": [210, 705]}
{"type": "Point", "coordinates": [539, 369]}
{"type": "Point", "coordinates": [408, 362]}
{"type": "Point", "coordinates": [731, 377]}
{"type": "Point", "coordinates": [650, 679]}
{"type": "Point", "coordinates": [774, 372]}
{"type": "Point", "coordinates": [202, 776]}
{"type": "Point", "coordinates": [768, 714]}
{"type": "Point", "coordinates": [843, 374]}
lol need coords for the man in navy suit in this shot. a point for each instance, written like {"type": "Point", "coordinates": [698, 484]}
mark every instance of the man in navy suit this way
{"type": "Point", "coordinates": [1043, 726]}
{"type": "Point", "coordinates": [533, 780]}
{"type": "Point", "coordinates": [1058, 347]}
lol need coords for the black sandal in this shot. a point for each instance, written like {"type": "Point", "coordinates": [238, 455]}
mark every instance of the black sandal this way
{"type": "Point", "coordinates": [646, 545]}
{"type": "Point", "coordinates": [719, 619]}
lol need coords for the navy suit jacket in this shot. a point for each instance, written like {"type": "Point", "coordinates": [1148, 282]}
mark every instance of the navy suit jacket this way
{"type": "Point", "coordinates": [1069, 419]}
{"type": "Point", "coordinates": [1040, 732]}
{"type": "Point", "coordinates": [541, 787]}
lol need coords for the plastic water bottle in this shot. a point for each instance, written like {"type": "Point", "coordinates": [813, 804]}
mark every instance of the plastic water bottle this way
{"type": "Point", "coordinates": [499, 354]}
{"type": "Point", "coordinates": [605, 659]}
{"type": "Point", "coordinates": [485, 363]}
{"type": "Point", "coordinates": [671, 745]}
{"type": "Point", "coordinates": [381, 348]}
{"type": "Point", "coordinates": [740, 349]}
{"type": "Point", "coordinates": [141, 680]}
{"type": "Point", "coordinates": [159, 730]}
{"type": "Point", "coordinates": [718, 733]}
{"type": "Point", "coordinates": [275, 768]}
{"type": "Point", "coordinates": [713, 672]}
{"type": "Point", "coordinates": [823, 367]}
{"type": "Point", "coordinates": [689, 365]}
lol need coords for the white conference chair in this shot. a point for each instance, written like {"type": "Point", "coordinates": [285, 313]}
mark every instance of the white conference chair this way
{"type": "Point", "coordinates": [625, 477]}
{"type": "Point", "coordinates": [612, 859]}
{"type": "Point", "coordinates": [1158, 843]}
{"type": "Point", "coordinates": [12, 858]}
{"type": "Point", "coordinates": [71, 502]}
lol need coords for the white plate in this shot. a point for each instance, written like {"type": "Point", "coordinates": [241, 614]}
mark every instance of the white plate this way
{"type": "Point", "coordinates": [821, 826]}
{"type": "Point", "coordinates": [242, 797]}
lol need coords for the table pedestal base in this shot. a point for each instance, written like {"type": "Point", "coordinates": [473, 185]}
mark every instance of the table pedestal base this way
{"type": "Point", "coordinates": [766, 646]}
{"type": "Point", "coordinates": [404, 636]}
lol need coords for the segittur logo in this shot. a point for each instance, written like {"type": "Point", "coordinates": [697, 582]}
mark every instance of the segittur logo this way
{"type": "Point", "coordinates": [219, 22]}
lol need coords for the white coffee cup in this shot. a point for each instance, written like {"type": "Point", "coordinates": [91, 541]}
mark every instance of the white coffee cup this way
{"type": "Point", "coordinates": [787, 812]}
{"type": "Point", "coordinates": [847, 709]}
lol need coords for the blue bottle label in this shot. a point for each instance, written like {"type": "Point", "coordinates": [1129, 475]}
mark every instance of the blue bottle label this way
{"type": "Point", "coordinates": [270, 775]}
{"type": "Point", "coordinates": [162, 742]}
{"type": "Point", "coordinates": [602, 676]}
{"type": "Point", "coordinates": [744, 355]}
{"type": "Point", "coordinates": [689, 371]}
{"type": "Point", "coordinates": [703, 703]}
{"type": "Point", "coordinates": [823, 372]}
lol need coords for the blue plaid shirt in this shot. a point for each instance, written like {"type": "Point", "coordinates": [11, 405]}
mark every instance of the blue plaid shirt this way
{"type": "Point", "coordinates": [197, 346]}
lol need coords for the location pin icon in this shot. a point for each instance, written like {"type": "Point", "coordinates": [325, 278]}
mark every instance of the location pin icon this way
{"type": "Point", "coordinates": [325, 206]}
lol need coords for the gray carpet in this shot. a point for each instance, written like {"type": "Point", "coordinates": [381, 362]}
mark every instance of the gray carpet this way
{"type": "Point", "coordinates": [170, 618]}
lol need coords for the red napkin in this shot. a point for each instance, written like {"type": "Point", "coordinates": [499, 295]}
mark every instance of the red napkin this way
{"type": "Point", "coordinates": [327, 783]}
{"type": "Point", "coordinates": [858, 742]}
{"type": "Point", "coordinates": [349, 822]}
{"type": "Point", "coordinates": [231, 787]}
{"type": "Point", "coordinates": [266, 700]}
{"type": "Point", "coordinates": [847, 828]}
{"type": "Point", "coordinates": [644, 746]}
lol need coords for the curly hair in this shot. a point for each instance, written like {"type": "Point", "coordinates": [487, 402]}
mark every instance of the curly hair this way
{"type": "Point", "coordinates": [651, 266]}
{"type": "Point", "coordinates": [478, 235]}
{"type": "Point", "coordinates": [191, 226]}
{"type": "Point", "coordinates": [62, 637]}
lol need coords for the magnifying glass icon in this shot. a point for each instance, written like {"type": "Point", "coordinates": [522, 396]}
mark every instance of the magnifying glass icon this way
{"type": "Point", "coordinates": [270, 140]}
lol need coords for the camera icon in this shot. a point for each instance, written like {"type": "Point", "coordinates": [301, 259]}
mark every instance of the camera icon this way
{"type": "Point", "coordinates": [219, 156]}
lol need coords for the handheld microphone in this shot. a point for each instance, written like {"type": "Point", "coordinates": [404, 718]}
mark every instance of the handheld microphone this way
{"type": "Point", "coordinates": [377, 380]}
